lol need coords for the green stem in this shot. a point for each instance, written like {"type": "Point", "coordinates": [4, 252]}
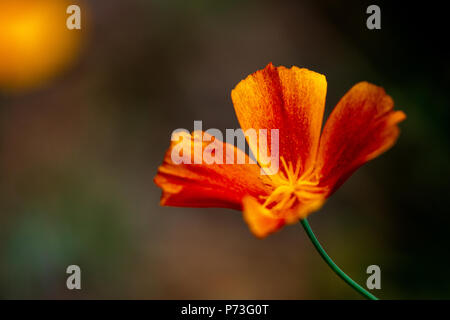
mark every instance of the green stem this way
{"type": "Point", "coordinates": [333, 265]}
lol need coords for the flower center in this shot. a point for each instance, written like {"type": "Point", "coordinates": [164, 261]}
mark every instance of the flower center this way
{"type": "Point", "coordinates": [294, 194]}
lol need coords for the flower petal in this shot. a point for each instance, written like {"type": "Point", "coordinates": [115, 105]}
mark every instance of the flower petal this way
{"type": "Point", "coordinates": [208, 185]}
{"type": "Point", "coordinates": [362, 126]}
{"type": "Point", "coordinates": [260, 219]}
{"type": "Point", "coordinates": [291, 100]}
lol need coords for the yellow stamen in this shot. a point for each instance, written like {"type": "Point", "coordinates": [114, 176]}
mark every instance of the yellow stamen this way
{"type": "Point", "coordinates": [293, 190]}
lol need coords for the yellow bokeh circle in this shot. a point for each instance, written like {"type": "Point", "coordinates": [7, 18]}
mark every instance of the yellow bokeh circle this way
{"type": "Point", "coordinates": [35, 43]}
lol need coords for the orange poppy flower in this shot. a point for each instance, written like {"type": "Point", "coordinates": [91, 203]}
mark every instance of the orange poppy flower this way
{"type": "Point", "coordinates": [313, 163]}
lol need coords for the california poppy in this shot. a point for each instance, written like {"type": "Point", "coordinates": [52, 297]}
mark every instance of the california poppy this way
{"type": "Point", "coordinates": [314, 162]}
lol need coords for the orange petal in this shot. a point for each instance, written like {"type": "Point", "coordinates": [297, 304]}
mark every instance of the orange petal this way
{"type": "Point", "coordinates": [208, 185]}
{"type": "Point", "coordinates": [260, 219]}
{"type": "Point", "coordinates": [362, 126]}
{"type": "Point", "coordinates": [291, 100]}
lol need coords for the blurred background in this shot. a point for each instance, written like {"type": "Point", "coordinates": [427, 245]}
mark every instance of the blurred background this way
{"type": "Point", "coordinates": [86, 116]}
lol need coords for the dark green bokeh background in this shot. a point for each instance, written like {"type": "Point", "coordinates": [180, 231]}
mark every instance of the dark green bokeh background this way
{"type": "Point", "coordinates": [78, 156]}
